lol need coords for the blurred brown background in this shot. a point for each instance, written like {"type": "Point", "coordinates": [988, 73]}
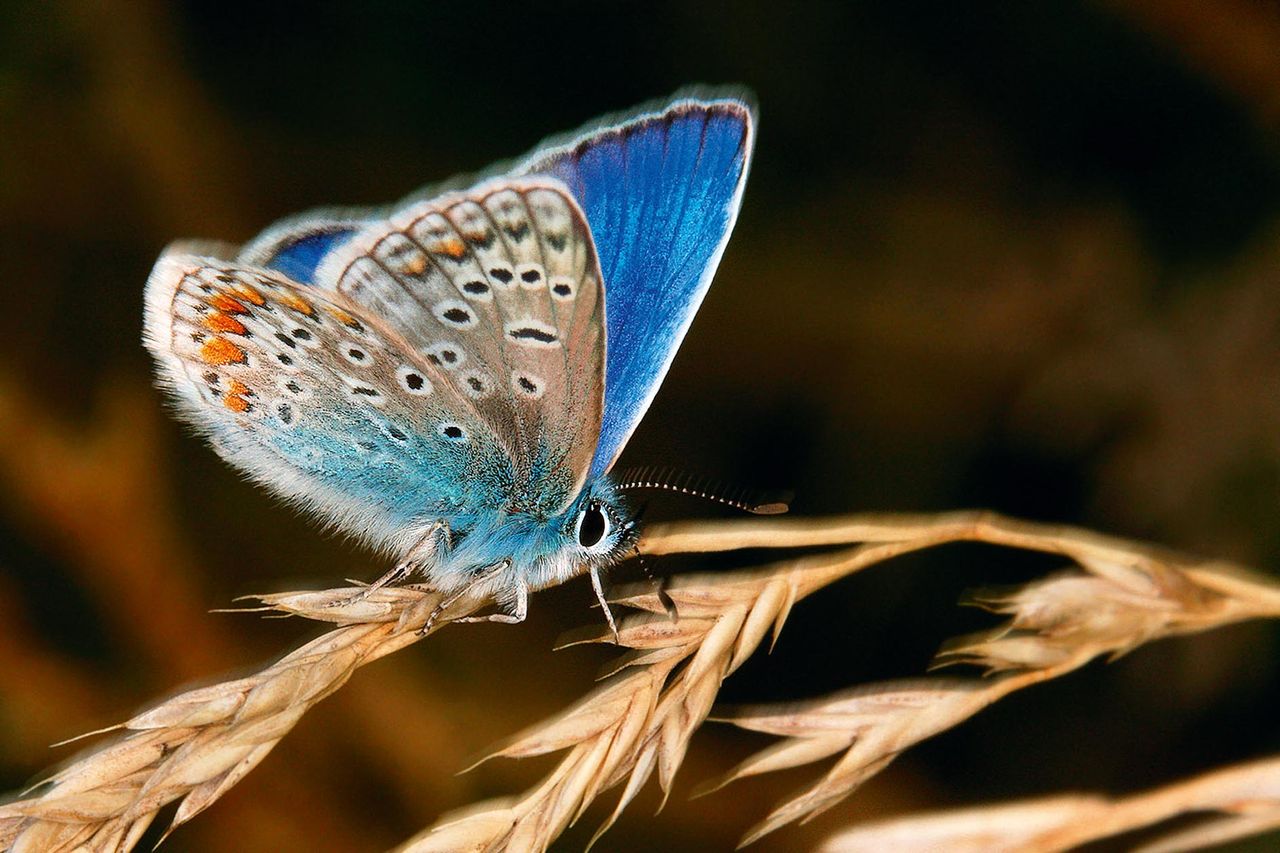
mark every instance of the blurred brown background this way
{"type": "Point", "coordinates": [1021, 256]}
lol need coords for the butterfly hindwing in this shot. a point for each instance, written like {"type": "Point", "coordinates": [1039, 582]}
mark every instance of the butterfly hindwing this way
{"type": "Point", "coordinates": [499, 289]}
{"type": "Point", "coordinates": [661, 193]}
{"type": "Point", "coordinates": [451, 365]}
{"type": "Point", "coordinates": [317, 399]}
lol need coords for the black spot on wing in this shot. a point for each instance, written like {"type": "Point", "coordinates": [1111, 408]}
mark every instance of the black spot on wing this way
{"type": "Point", "coordinates": [482, 239]}
{"type": "Point", "coordinates": [532, 333]}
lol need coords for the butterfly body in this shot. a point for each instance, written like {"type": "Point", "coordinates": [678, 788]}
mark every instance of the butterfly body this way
{"type": "Point", "coordinates": [452, 379]}
{"type": "Point", "coordinates": [530, 550]}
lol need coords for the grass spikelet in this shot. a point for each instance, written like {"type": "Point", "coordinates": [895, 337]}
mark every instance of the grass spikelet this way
{"type": "Point", "coordinates": [638, 722]}
{"type": "Point", "coordinates": [196, 745]}
{"type": "Point", "coordinates": [1244, 800]}
{"type": "Point", "coordinates": [1121, 596]}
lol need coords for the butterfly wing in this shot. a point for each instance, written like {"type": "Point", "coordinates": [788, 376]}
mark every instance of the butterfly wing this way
{"type": "Point", "coordinates": [345, 399]}
{"type": "Point", "coordinates": [661, 192]}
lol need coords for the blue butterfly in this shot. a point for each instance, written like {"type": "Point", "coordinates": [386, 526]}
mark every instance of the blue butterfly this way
{"type": "Point", "coordinates": [453, 378]}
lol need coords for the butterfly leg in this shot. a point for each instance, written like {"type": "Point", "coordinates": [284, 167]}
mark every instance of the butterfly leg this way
{"type": "Point", "coordinates": [604, 602]}
{"type": "Point", "coordinates": [436, 542]}
{"type": "Point", "coordinates": [520, 607]}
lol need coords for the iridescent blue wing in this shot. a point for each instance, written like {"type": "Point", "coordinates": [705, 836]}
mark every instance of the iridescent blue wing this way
{"type": "Point", "coordinates": [661, 192]}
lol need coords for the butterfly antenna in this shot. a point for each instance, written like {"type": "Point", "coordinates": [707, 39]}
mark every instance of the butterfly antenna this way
{"type": "Point", "coordinates": [670, 480]}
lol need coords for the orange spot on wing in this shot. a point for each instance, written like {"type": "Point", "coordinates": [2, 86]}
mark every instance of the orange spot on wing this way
{"type": "Point", "coordinates": [453, 247]}
{"type": "Point", "coordinates": [225, 303]}
{"type": "Point", "coordinates": [239, 389]}
{"type": "Point", "coordinates": [248, 294]}
{"type": "Point", "coordinates": [297, 303]}
{"type": "Point", "coordinates": [222, 351]}
{"type": "Point", "coordinates": [236, 404]}
{"type": "Point", "coordinates": [219, 322]}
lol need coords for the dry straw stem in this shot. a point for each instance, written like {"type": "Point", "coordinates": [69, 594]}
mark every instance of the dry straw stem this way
{"type": "Point", "coordinates": [1245, 798]}
{"type": "Point", "coordinates": [196, 745]}
{"type": "Point", "coordinates": [640, 720]}
{"type": "Point", "coordinates": [1127, 595]}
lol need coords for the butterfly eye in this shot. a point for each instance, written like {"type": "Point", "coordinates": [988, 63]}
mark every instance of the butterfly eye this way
{"type": "Point", "coordinates": [593, 525]}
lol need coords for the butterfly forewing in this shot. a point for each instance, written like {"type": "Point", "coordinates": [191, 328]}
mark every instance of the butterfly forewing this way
{"type": "Point", "coordinates": [319, 400]}
{"type": "Point", "coordinates": [498, 289]}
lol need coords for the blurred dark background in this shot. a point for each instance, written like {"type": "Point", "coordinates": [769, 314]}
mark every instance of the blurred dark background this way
{"type": "Point", "coordinates": [1019, 256]}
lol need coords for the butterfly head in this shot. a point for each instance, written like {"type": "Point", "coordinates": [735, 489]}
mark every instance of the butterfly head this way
{"type": "Point", "coordinates": [598, 529]}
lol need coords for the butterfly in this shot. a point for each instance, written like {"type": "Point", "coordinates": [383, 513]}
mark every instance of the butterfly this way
{"type": "Point", "coordinates": [452, 378]}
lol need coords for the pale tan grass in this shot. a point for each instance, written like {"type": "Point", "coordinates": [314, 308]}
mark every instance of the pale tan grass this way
{"type": "Point", "coordinates": [642, 719]}
{"type": "Point", "coordinates": [1120, 596]}
{"type": "Point", "coordinates": [1243, 800]}
{"type": "Point", "coordinates": [195, 746]}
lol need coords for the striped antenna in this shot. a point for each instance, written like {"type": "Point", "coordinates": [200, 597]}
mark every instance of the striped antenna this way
{"type": "Point", "coordinates": [670, 480]}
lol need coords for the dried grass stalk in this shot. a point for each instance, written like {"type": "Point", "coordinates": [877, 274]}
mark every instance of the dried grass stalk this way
{"type": "Point", "coordinates": [1126, 595]}
{"type": "Point", "coordinates": [198, 744]}
{"type": "Point", "coordinates": [1244, 799]}
{"type": "Point", "coordinates": [642, 719]}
